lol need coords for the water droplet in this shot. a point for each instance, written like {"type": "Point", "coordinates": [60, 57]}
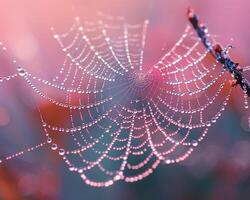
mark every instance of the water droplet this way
{"type": "Point", "coordinates": [49, 140]}
{"type": "Point", "coordinates": [21, 71]}
{"type": "Point", "coordinates": [61, 152]}
{"type": "Point", "coordinates": [54, 146]}
{"type": "Point", "coordinates": [194, 143]}
{"type": "Point", "coordinates": [249, 121]}
{"type": "Point", "coordinates": [118, 177]}
{"type": "Point", "coordinates": [168, 161]}
{"type": "Point", "coordinates": [208, 123]}
{"type": "Point", "coordinates": [213, 120]}
{"type": "Point", "coordinates": [71, 168]}
{"type": "Point", "coordinates": [246, 104]}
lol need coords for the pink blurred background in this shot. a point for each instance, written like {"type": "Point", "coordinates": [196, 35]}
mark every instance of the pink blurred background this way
{"type": "Point", "coordinates": [219, 169]}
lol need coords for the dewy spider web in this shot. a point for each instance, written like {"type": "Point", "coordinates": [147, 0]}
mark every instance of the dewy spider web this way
{"type": "Point", "coordinates": [125, 119]}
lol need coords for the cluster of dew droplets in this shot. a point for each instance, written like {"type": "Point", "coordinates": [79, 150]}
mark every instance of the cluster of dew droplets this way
{"type": "Point", "coordinates": [245, 95]}
{"type": "Point", "coordinates": [165, 127]}
{"type": "Point", "coordinates": [249, 121]}
{"type": "Point", "coordinates": [21, 71]}
{"type": "Point", "coordinates": [246, 104]}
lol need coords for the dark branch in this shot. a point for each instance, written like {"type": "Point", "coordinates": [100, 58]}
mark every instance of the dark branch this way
{"type": "Point", "coordinates": [220, 54]}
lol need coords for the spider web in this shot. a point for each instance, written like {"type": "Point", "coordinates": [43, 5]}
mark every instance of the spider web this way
{"type": "Point", "coordinates": [124, 119]}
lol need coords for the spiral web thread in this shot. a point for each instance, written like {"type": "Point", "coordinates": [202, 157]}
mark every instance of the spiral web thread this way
{"type": "Point", "coordinates": [125, 119]}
